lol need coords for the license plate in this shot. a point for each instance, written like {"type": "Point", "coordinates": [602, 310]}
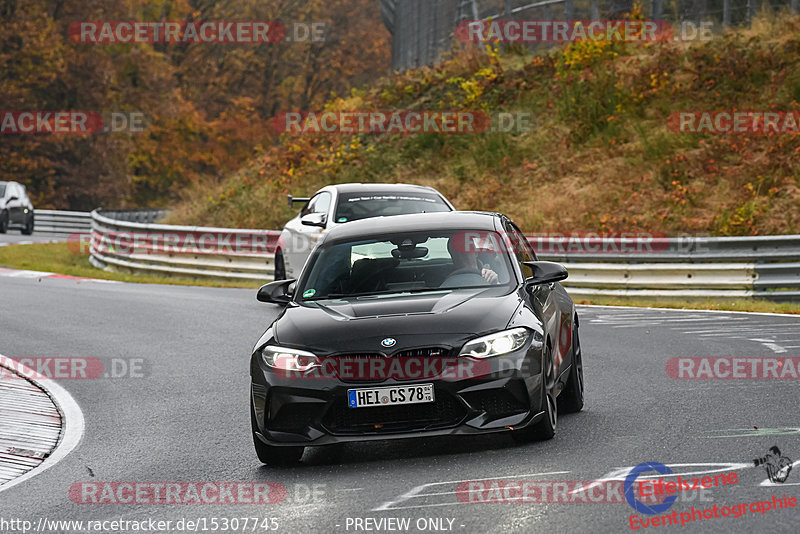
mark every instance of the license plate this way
{"type": "Point", "coordinates": [389, 396]}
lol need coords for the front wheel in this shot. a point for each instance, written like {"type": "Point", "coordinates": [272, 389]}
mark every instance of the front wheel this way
{"type": "Point", "coordinates": [546, 428]}
{"type": "Point", "coordinates": [3, 222]}
{"type": "Point", "coordinates": [280, 266]}
{"type": "Point", "coordinates": [571, 399]}
{"type": "Point", "coordinates": [269, 454]}
{"type": "Point", "coordinates": [28, 230]}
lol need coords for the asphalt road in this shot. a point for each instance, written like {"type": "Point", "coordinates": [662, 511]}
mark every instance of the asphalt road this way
{"type": "Point", "coordinates": [187, 420]}
{"type": "Point", "coordinates": [15, 237]}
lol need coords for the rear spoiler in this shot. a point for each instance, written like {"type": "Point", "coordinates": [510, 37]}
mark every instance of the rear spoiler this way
{"type": "Point", "coordinates": [292, 200]}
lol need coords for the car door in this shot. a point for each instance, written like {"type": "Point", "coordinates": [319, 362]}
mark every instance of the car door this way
{"type": "Point", "coordinates": [303, 238]}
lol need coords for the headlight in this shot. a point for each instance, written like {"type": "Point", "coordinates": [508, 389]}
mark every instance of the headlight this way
{"type": "Point", "coordinates": [288, 359]}
{"type": "Point", "coordinates": [496, 344]}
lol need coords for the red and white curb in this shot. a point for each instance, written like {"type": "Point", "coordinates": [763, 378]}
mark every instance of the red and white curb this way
{"type": "Point", "coordinates": [16, 273]}
{"type": "Point", "coordinates": [40, 423]}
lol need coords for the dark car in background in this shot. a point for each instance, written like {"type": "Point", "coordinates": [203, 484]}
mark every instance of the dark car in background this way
{"type": "Point", "coordinates": [334, 205]}
{"type": "Point", "coordinates": [415, 325]}
{"type": "Point", "coordinates": [16, 209]}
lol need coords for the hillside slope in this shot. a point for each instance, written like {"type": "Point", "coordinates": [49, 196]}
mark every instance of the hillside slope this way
{"type": "Point", "coordinates": [601, 156]}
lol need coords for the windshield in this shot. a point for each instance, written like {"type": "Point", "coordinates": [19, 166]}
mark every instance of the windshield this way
{"type": "Point", "coordinates": [2, 189]}
{"type": "Point", "coordinates": [355, 206]}
{"type": "Point", "coordinates": [406, 263]}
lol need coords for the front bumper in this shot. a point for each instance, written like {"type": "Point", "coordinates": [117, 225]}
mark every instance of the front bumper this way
{"type": "Point", "coordinates": [503, 394]}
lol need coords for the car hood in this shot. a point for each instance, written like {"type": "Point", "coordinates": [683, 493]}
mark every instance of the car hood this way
{"type": "Point", "coordinates": [447, 318]}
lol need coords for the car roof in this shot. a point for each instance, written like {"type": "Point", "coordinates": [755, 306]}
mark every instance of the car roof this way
{"type": "Point", "coordinates": [415, 222]}
{"type": "Point", "coordinates": [379, 188]}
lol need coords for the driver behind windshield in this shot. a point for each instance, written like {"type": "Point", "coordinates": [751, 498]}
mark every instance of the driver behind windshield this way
{"type": "Point", "coordinates": [468, 269]}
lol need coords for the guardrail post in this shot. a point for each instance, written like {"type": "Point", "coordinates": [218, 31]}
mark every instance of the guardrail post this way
{"type": "Point", "coordinates": [726, 13]}
{"type": "Point", "coordinates": [656, 9]}
{"type": "Point", "coordinates": [595, 9]}
{"type": "Point", "coordinates": [795, 6]}
{"type": "Point", "coordinates": [751, 6]}
{"type": "Point", "coordinates": [569, 10]}
{"type": "Point", "coordinates": [508, 9]}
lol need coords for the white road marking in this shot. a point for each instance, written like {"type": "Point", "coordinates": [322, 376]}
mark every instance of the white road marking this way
{"type": "Point", "coordinates": [678, 310]}
{"type": "Point", "coordinates": [771, 345]}
{"type": "Point", "coordinates": [415, 492]}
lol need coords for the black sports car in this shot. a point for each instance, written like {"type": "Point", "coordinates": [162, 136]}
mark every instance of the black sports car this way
{"type": "Point", "coordinates": [427, 324]}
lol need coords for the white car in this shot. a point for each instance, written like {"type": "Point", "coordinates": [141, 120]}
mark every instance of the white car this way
{"type": "Point", "coordinates": [339, 204]}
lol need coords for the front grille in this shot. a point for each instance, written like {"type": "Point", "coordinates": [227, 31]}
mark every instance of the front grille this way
{"type": "Point", "coordinates": [445, 411]}
{"type": "Point", "coordinates": [495, 402]}
{"type": "Point", "coordinates": [295, 417]}
{"type": "Point", "coordinates": [421, 352]}
{"type": "Point", "coordinates": [358, 356]}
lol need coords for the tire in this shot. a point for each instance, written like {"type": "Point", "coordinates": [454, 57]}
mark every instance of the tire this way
{"type": "Point", "coordinates": [270, 455]}
{"type": "Point", "coordinates": [280, 266]}
{"type": "Point", "coordinates": [28, 230]}
{"type": "Point", "coordinates": [3, 222]}
{"type": "Point", "coordinates": [571, 399]}
{"type": "Point", "coordinates": [546, 428]}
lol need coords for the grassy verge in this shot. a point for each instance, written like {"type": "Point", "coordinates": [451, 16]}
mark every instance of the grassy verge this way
{"type": "Point", "coordinates": [763, 306]}
{"type": "Point", "coordinates": [59, 258]}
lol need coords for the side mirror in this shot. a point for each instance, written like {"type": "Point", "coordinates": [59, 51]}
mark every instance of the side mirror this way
{"type": "Point", "coordinates": [276, 292]}
{"type": "Point", "coordinates": [314, 219]}
{"type": "Point", "coordinates": [544, 272]}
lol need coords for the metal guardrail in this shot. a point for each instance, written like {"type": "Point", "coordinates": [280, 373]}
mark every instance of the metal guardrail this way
{"type": "Point", "coordinates": [184, 251]}
{"type": "Point", "coordinates": [765, 267]}
{"type": "Point", "coordinates": [137, 216]}
{"type": "Point", "coordinates": [62, 223]}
